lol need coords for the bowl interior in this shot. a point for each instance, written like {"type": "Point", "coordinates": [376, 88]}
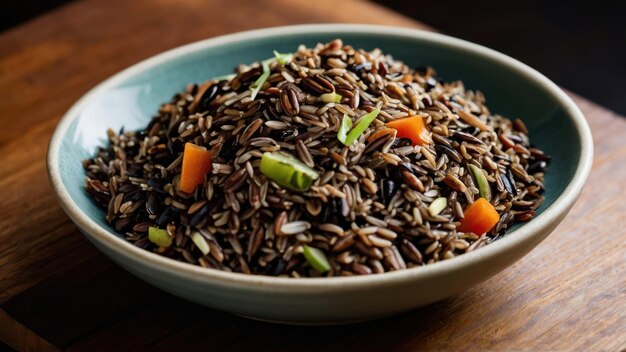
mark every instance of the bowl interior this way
{"type": "Point", "coordinates": [131, 98]}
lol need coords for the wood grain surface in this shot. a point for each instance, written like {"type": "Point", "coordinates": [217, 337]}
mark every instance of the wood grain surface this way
{"type": "Point", "coordinates": [57, 292]}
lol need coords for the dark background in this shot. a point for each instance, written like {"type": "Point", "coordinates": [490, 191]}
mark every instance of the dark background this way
{"type": "Point", "coordinates": [579, 45]}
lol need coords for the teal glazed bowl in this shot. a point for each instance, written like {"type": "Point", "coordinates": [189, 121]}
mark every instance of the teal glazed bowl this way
{"type": "Point", "coordinates": [131, 97]}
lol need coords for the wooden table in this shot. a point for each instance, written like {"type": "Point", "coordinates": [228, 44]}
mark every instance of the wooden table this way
{"type": "Point", "coordinates": [58, 292]}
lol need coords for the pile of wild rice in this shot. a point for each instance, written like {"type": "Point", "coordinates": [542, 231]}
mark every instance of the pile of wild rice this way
{"type": "Point", "coordinates": [368, 210]}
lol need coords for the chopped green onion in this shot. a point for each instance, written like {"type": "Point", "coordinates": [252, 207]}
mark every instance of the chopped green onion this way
{"type": "Point", "coordinates": [346, 125]}
{"type": "Point", "coordinates": [287, 171]}
{"type": "Point", "coordinates": [283, 58]}
{"type": "Point", "coordinates": [227, 77]}
{"type": "Point", "coordinates": [331, 97]}
{"type": "Point", "coordinates": [200, 242]}
{"type": "Point", "coordinates": [258, 84]}
{"type": "Point", "coordinates": [159, 237]}
{"type": "Point", "coordinates": [437, 206]}
{"type": "Point", "coordinates": [360, 127]}
{"type": "Point", "coordinates": [300, 181]}
{"type": "Point", "coordinates": [481, 181]}
{"type": "Point", "coordinates": [316, 258]}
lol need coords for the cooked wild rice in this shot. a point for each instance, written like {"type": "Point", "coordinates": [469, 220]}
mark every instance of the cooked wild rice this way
{"type": "Point", "coordinates": [370, 211]}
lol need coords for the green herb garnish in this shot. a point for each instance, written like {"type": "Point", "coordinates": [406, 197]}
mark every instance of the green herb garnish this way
{"type": "Point", "coordinates": [265, 64]}
{"type": "Point", "coordinates": [344, 127]}
{"type": "Point", "coordinates": [159, 237]}
{"type": "Point", "coordinates": [481, 181]}
{"type": "Point", "coordinates": [316, 258]}
{"type": "Point", "coordinates": [256, 86]}
{"type": "Point", "coordinates": [358, 129]}
{"type": "Point", "coordinates": [200, 242]}
{"type": "Point", "coordinates": [331, 97]}
{"type": "Point", "coordinates": [283, 59]}
{"type": "Point", "coordinates": [287, 171]}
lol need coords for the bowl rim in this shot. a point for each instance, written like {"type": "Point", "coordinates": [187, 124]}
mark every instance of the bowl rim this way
{"type": "Point", "coordinates": [311, 285]}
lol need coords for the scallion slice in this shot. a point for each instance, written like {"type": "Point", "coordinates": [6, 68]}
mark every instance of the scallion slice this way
{"type": "Point", "coordinates": [159, 237]}
{"type": "Point", "coordinates": [200, 242]}
{"type": "Point", "coordinates": [283, 59]}
{"type": "Point", "coordinates": [344, 127]}
{"type": "Point", "coordinates": [316, 258]}
{"type": "Point", "coordinates": [331, 97]}
{"type": "Point", "coordinates": [287, 171]}
{"type": "Point", "coordinates": [258, 84]}
{"type": "Point", "coordinates": [265, 64]}
{"type": "Point", "coordinates": [481, 181]}
{"type": "Point", "coordinates": [360, 127]}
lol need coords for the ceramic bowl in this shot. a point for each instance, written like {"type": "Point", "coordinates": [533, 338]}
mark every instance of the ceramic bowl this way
{"type": "Point", "coordinates": [131, 97]}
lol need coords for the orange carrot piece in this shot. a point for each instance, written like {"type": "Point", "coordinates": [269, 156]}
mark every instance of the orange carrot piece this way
{"type": "Point", "coordinates": [480, 217]}
{"type": "Point", "coordinates": [196, 163]}
{"type": "Point", "coordinates": [413, 128]}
